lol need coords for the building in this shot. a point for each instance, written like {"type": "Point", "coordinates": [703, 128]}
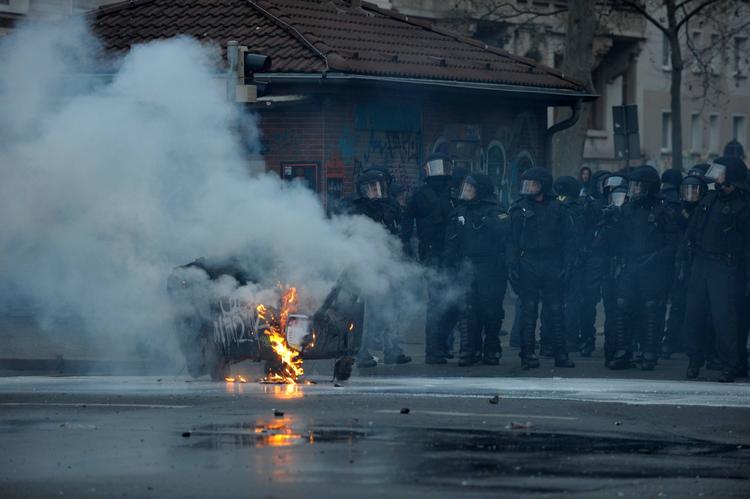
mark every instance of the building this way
{"type": "Point", "coordinates": [632, 67]}
{"type": "Point", "coordinates": [356, 86]}
{"type": "Point", "coordinates": [13, 11]}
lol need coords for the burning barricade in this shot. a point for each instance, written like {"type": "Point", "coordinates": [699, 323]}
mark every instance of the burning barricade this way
{"type": "Point", "coordinates": [217, 331]}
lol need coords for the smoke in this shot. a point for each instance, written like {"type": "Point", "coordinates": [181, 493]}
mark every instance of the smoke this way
{"type": "Point", "coordinates": [107, 185]}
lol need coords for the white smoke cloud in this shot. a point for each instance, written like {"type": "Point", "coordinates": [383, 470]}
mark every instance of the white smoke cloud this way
{"type": "Point", "coordinates": [105, 188]}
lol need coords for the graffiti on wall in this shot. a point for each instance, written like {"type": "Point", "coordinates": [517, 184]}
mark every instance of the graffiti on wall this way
{"type": "Point", "coordinates": [400, 152]}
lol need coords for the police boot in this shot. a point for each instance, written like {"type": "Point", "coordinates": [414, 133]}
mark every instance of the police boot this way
{"type": "Point", "coordinates": [491, 352]}
{"type": "Point", "coordinates": [726, 376]}
{"type": "Point", "coordinates": [694, 368]}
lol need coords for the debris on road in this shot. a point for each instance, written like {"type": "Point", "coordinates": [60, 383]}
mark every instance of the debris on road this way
{"type": "Point", "coordinates": [186, 434]}
{"type": "Point", "coordinates": [495, 399]}
{"type": "Point", "coordinates": [278, 414]}
{"type": "Point", "coordinates": [515, 425]}
{"type": "Point", "coordinates": [405, 410]}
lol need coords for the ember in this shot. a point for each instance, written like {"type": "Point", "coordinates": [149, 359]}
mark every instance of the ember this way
{"type": "Point", "coordinates": [291, 362]}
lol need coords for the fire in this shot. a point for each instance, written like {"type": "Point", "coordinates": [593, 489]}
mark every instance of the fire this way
{"type": "Point", "coordinates": [291, 362]}
{"type": "Point", "coordinates": [235, 379]}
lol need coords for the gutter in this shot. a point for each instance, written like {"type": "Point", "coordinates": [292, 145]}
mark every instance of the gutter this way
{"type": "Point", "coordinates": [462, 85]}
{"type": "Point", "coordinates": [563, 125]}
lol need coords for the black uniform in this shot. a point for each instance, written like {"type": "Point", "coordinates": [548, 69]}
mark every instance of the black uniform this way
{"type": "Point", "coordinates": [476, 244]}
{"type": "Point", "coordinates": [372, 201]}
{"type": "Point", "coordinates": [540, 256]}
{"type": "Point", "coordinates": [568, 189]}
{"type": "Point", "coordinates": [595, 261]}
{"type": "Point", "coordinates": [719, 236]}
{"type": "Point", "coordinates": [647, 230]}
{"type": "Point", "coordinates": [429, 208]}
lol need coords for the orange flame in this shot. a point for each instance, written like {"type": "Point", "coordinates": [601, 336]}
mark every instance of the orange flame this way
{"type": "Point", "coordinates": [291, 367]}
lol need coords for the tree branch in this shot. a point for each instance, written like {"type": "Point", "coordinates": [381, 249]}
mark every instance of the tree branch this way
{"type": "Point", "coordinates": [695, 11]}
{"type": "Point", "coordinates": [637, 7]}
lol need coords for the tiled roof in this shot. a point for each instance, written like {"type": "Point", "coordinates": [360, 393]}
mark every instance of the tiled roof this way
{"type": "Point", "coordinates": [313, 36]}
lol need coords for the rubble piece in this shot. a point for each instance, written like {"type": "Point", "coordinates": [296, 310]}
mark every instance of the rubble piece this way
{"type": "Point", "coordinates": [186, 434]}
{"type": "Point", "coordinates": [405, 410]}
{"type": "Point", "coordinates": [495, 400]}
{"type": "Point", "coordinates": [515, 425]}
{"type": "Point", "coordinates": [278, 414]}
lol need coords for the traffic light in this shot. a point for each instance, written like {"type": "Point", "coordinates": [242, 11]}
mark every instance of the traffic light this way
{"type": "Point", "coordinates": [242, 66]}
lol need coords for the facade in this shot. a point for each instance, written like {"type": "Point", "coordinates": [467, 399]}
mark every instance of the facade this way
{"type": "Point", "coordinates": [13, 11]}
{"type": "Point", "coordinates": [632, 68]}
{"type": "Point", "coordinates": [356, 86]}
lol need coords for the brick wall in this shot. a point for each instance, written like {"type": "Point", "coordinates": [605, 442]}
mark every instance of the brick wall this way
{"type": "Point", "coordinates": [350, 131]}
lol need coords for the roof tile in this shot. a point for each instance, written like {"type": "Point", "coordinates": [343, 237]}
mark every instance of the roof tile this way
{"type": "Point", "coordinates": [325, 35]}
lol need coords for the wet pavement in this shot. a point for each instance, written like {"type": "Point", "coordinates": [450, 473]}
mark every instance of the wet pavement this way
{"type": "Point", "coordinates": [375, 436]}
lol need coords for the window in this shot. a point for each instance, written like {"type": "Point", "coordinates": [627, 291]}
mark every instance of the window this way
{"type": "Point", "coordinates": [696, 133]}
{"type": "Point", "coordinates": [715, 61]}
{"type": "Point", "coordinates": [739, 129]}
{"type": "Point", "coordinates": [740, 56]}
{"type": "Point", "coordinates": [666, 53]}
{"type": "Point", "coordinates": [695, 41]}
{"type": "Point", "coordinates": [713, 134]}
{"type": "Point", "coordinates": [666, 131]}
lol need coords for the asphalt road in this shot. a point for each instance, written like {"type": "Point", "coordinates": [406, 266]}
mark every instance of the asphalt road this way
{"type": "Point", "coordinates": [548, 436]}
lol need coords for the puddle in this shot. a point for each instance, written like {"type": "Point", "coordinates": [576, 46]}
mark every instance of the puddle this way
{"type": "Point", "coordinates": [435, 455]}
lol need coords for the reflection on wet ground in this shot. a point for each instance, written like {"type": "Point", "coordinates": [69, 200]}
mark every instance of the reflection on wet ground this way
{"type": "Point", "coordinates": [440, 455]}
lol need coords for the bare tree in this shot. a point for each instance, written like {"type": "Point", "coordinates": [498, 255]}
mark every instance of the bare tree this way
{"type": "Point", "coordinates": [587, 18]}
{"type": "Point", "coordinates": [671, 17]}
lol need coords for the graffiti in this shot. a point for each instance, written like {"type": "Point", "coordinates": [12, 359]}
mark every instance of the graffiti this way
{"type": "Point", "coordinates": [233, 320]}
{"type": "Point", "coordinates": [398, 151]}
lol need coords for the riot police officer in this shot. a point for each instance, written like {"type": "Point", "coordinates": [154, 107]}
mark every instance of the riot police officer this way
{"type": "Point", "coordinates": [372, 201]}
{"type": "Point", "coordinates": [568, 189]}
{"type": "Point", "coordinates": [429, 208]}
{"type": "Point", "coordinates": [691, 190]}
{"type": "Point", "coordinates": [719, 239]}
{"type": "Point", "coordinates": [475, 244]}
{"type": "Point", "coordinates": [540, 259]}
{"type": "Point", "coordinates": [647, 231]}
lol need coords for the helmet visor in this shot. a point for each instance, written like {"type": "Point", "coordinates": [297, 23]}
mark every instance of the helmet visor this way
{"type": "Point", "coordinates": [530, 187]}
{"type": "Point", "coordinates": [468, 192]}
{"type": "Point", "coordinates": [690, 193]}
{"type": "Point", "coordinates": [636, 189]}
{"type": "Point", "coordinates": [437, 167]}
{"type": "Point", "coordinates": [717, 173]}
{"type": "Point", "coordinates": [373, 190]}
{"type": "Point", "coordinates": [617, 198]}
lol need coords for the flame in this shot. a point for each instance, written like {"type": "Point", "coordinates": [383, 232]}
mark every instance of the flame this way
{"type": "Point", "coordinates": [351, 326]}
{"type": "Point", "coordinates": [276, 434]}
{"type": "Point", "coordinates": [237, 379]}
{"type": "Point", "coordinates": [291, 367]}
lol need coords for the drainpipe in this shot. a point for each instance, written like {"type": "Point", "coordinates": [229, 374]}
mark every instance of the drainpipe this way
{"type": "Point", "coordinates": [232, 61]}
{"type": "Point", "coordinates": [563, 125]}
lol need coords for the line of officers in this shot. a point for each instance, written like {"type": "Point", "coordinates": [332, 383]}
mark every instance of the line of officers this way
{"type": "Point", "coordinates": [633, 239]}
